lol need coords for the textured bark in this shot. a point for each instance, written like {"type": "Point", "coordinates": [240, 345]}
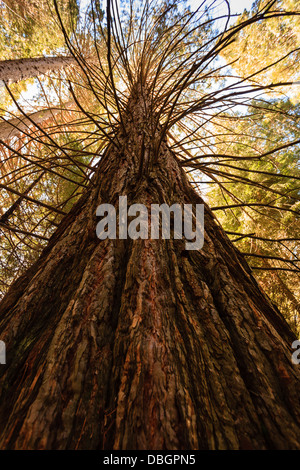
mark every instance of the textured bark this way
{"type": "Point", "coordinates": [16, 126]}
{"type": "Point", "coordinates": [19, 69]}
{"type": "Point", "coordinates": [139, 344]}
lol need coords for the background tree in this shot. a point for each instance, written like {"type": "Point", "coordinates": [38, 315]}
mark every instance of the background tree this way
{"type": "Point", "coordinates": [30, 30]}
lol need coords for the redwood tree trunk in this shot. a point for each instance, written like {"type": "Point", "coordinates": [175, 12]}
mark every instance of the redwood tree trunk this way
{"type": "Point", "coordinates": [139, 344]}
{"type": "Point", "coordinates": [19, 69]}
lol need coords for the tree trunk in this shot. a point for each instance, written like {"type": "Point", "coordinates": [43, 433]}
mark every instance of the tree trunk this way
{"type": "Point", "coordinates": [140, 344]}
{"type": "Point", "coordinates": [16, 126]}
{"type": "Point", "coordinates": [19, 69]}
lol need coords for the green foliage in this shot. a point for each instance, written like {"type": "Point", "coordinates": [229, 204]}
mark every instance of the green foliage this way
{"type": "Point", "coordinates": [269, 51]}
{"type": "Point", "coordinates": [30, 29]}
{"type": "Point", "coordinates": [272, 180]}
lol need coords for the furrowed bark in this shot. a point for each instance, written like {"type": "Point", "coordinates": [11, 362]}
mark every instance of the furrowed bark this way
{"type": "Point", "coordinates": [140, 344]}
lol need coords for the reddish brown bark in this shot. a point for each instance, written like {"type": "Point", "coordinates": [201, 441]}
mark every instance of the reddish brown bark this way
{"type": "Point", "coordinates": [139, 344]}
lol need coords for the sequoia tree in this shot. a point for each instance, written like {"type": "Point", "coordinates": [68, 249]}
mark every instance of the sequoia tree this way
{"type": "Point", "coordinates": [140, 343]}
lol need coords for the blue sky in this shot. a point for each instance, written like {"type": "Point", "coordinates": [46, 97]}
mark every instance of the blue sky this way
{"type": "Point", "coordinates": [220, 7]}
{"type": "Point", "coordinates": [237, 6]}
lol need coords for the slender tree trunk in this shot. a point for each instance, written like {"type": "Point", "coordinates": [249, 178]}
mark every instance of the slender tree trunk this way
{"type": "Point", "coordinates": [140, 344]}
{"type": "Point", "coordinates": [19, 69]}
{"type": "Point", "coordinates": [16, 126]}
